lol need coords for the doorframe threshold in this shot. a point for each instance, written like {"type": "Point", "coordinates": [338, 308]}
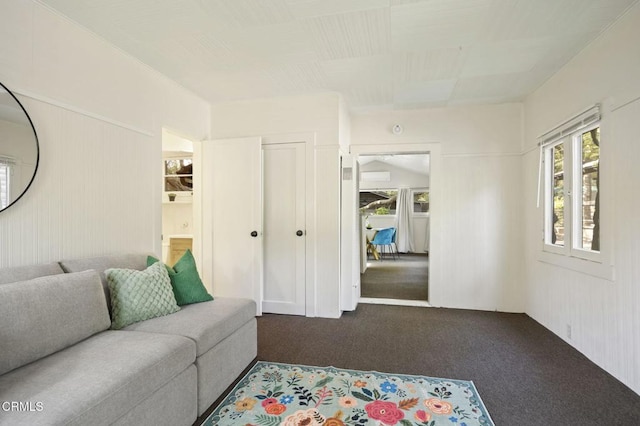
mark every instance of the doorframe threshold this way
{"type": "Point", "coordinates": [397, 302]}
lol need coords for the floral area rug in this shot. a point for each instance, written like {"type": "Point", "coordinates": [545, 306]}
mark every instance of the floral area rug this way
{"type": "Point", "coordinates": [273, 394]}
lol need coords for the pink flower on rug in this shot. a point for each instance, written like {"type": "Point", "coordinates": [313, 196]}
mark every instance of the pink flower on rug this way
{"type": "Point", "coordinates": [310, 417]}
{"type": "Point", "coordinates": [438, 406]}
{"type": "Point", "coordinates": [269, 401]}
{"type": "Point", "coordinates": [385, 411]}
{"type": "Point", "coordinates": [422, 416]}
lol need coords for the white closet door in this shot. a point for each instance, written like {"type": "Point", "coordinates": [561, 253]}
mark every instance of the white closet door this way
{"type": "Point", "coordinates": [233, 176]}
{"type": "Point", "coordinates": [284, 228]}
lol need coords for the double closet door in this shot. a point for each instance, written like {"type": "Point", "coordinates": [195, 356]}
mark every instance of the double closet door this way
{"type": "Point", "coordinates": [258, 222]}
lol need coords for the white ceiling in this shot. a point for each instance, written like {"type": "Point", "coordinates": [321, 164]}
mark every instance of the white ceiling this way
{"type": "Point", "coordinates": [377, 53]}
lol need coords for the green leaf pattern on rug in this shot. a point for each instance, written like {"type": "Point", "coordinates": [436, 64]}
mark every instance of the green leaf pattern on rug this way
{"type": "Point", "coordinates": [280, 394]}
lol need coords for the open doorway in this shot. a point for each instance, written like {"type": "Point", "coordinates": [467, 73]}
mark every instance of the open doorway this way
{"type": "Point", "coordinates": [178, 226]}
{"type": "Point", "coordinates": [394, 202]}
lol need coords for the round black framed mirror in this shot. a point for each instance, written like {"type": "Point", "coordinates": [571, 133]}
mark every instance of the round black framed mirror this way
{"type": "Point", "coordinates": [19, 149]}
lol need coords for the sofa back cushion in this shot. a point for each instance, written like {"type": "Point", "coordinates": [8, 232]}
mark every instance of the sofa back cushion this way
{"type": "Point", "coordinates": [44, 315]}
{"type": "Point", "coordinates": [102, 263]}
{"type": "Point", "coordinates": [23, 273]}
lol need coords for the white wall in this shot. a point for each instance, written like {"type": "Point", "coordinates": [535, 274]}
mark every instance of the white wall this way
{"type": "Point", "coordinates": [603, 314]}
{"type": "Point", "coordinates": [98, 114]}
{"type": "Point", "coordinates": [476, 252]}
{"type": "Point", "coordinates": [317, 115]}
{"type": "Point", "coordinates": [399, 177]}
{"type": "Point", "coordinates": [350, 217]}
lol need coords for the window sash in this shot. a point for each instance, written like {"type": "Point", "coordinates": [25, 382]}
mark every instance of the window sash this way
{"type": "Point", "coordinates": [572, 196]}
{"type": "Point", "coordinates": [577, 204]}
{"type": "Point", "coordinates": [549, 204]}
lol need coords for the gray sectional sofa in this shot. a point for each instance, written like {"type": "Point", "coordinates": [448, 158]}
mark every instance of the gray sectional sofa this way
{"type": "Point", "coordinates": [61, 364]}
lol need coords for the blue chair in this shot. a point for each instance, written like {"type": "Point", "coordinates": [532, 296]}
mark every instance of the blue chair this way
{"type": "Point", "coordinates": [394, 246]}
{"type": "Point", "coordinates": [384, 238]}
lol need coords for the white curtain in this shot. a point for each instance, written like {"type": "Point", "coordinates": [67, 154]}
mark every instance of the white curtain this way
{"type": "Point", "coordinates": [404, 226]}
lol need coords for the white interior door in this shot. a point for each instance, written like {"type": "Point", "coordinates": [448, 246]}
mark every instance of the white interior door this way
{"type": "Point", "coordinates": [234, 176]}
{"type": "Point", "coordinates": [284, 228]}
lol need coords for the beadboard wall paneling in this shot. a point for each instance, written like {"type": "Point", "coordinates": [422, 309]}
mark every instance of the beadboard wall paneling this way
{"type": "Point", "coordinates": [475, 224]}
{"type": "Point", "coordinates": [480, 233]}
{"type": "Point", "coordinates": [327, 232]}
{"type": "Point", "coordinates": [603, 314]}
{"type": "Point", "coordinates": [93, 194]}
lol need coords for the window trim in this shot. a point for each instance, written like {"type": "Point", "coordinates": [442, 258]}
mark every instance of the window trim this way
{"type": "Point", "coordinates": [572, 186]}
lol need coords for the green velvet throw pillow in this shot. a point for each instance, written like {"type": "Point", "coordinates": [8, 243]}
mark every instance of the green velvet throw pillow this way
{"type": "Point", "coordinates": [185, 280]}
{"type": "Point", "coordinates": [139, 295]}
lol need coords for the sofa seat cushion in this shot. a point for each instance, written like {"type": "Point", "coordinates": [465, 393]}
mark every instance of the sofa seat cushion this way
{"type": "Point", "coordinates": [205, 323]}
{"type": "Point", "coordinates": [97, 380]}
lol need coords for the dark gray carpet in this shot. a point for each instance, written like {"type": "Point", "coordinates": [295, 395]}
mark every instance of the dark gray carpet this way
{"type": "Point", "coordinates": [405, 278]}
{"type": "Point", "coordinates": [525, 374]}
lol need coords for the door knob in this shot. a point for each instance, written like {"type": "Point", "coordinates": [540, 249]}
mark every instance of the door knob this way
{"type": "Point", "coordinates": [299, 233]}
{"type": "Point", "coordinates": [254, 233]}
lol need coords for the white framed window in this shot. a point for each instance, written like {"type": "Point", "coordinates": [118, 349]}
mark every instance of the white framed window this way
{"type": "Point", "coordinates": [420, 199]}
{"type": "Point", "coordinates": [378, 202]}
{"type": "Point", "coordinates": [178, 174]}
{"type": "Point", "coordinates": [570, 168]}
{"type": "Point", "coordinates": [5, 182]}
{"type": "Point", "coordinates": [572, 194]}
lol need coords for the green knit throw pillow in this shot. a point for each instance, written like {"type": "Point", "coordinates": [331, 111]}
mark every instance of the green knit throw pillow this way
{"type": "Point", "coordinates": [139, 295]}
{"type": "Point", "coordinates": [185, 280]}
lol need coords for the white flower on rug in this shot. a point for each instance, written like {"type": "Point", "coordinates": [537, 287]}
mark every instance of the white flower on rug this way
{"type": "Point", "coordinates": [310, 417]}
{"type": "Point", "coordinates": [348, 402]}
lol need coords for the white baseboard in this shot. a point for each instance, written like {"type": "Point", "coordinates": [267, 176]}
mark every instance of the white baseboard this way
{"type": "Point", "coordinates": [398, 302]}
